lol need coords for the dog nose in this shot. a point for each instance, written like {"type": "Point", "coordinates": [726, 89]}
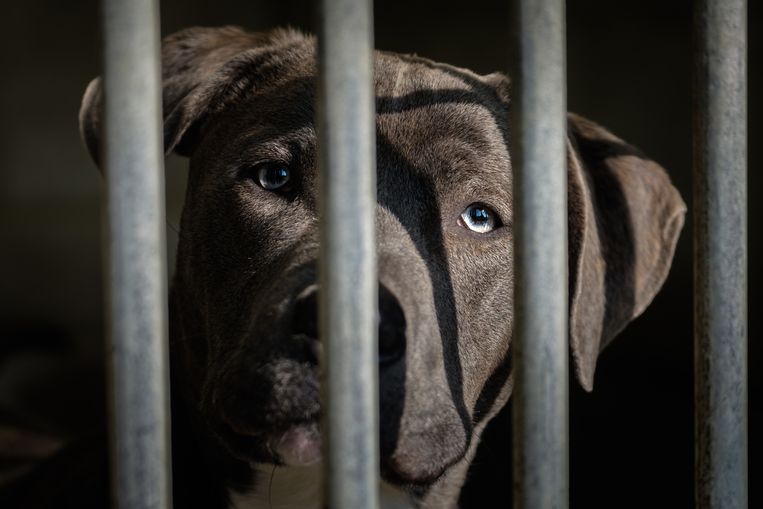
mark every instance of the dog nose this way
{"type": "Point", "coordinates": [390, 317]}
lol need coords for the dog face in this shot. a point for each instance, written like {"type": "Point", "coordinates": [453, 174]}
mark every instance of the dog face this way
{"type": "Point", "coordinates": [244, 299]}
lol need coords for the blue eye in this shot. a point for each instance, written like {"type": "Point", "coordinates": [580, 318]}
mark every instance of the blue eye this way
{"type": "Point", "coordinates": [273, 176]}
{"type": "Point", "coordinates": [479, 218]}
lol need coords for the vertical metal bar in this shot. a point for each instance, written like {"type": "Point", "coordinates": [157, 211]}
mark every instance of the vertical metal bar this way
{"type": "Point", "coordinates": [720, 254]}
{"type": "Point", "coordinates": [348, 280]}
{"type": "Point", "coordinates": [540, 259]}
{"type": "Point", "coordinates": [136, 247]}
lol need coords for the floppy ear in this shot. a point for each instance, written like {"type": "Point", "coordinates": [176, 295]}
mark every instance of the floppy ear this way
{"type": "Point", "coordinates": [624, 222]}
{"type": "Point", "coordinates": [203, 69]}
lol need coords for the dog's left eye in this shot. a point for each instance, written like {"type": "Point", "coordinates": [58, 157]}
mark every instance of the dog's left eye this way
{"type": "Point", "coordinates": [272, 176]}
{"type": "Point", "coordinates": [479, 218]}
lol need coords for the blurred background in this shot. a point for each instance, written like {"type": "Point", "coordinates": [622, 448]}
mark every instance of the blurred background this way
{"type": "Point", "coordinates": [629, 68]}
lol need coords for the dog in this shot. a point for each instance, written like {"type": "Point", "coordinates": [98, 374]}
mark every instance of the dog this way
{"type": "Point", "coordinates": [243, 334]}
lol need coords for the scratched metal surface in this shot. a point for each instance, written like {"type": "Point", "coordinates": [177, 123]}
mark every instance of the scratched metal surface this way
{"type": "Point", "coordinates": [541, 454]}
{"type": "Point", "coordinates": [720, 254]}
{"type": "Point", "coordinates": [348, 279]}
{"type": "Point", "coordinates": [137, 277]}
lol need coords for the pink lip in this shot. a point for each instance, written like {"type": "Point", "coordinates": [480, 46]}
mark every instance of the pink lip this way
{"type": "Point", "coordinates": [299, 445]}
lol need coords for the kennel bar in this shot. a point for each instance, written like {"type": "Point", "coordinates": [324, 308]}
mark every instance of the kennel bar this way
{"type": "Point", "coordinates": [347, 270]}
{"type": "Point", "coordinates": [137, 279]}
{"type": "Point", "coordinates": [540, 258]}
{"type": "Point", "coordinates": [720, 254]}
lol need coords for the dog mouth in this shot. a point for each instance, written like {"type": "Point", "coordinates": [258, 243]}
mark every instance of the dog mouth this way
{"type": "Point", "coordinates": [270, 412]}
{"type": "Point", "coordinates": [296, 443]}
{"type": "Point", "coordinates": [266, 398]}
{"type": "Point", "coordinates": [299, 445]}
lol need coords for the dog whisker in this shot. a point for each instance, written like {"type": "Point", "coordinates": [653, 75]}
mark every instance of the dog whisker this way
{"type": "Point", "coordinates": [270, 487]}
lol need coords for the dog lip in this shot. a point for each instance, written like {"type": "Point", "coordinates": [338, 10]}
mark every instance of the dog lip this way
{"type": "Point", "coordinates": [400, 474]}
{"type": "Point", "coordinates": [397, 478]}
{"type": "Point", "coordinates": [299, 445]}
{"type": "Point", "coordinates": [246, 430]}
{"type": "Point", "coordinates": [294, 443]}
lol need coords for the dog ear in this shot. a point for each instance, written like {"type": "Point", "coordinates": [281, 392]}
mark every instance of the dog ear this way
{"type": "Point", "coordinates": [624, 222]}
{"type": "Point", "coordinates": [202, 70]}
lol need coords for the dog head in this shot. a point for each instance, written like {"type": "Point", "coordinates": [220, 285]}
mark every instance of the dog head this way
{"type": "Point", "coordinates": [241, 106]}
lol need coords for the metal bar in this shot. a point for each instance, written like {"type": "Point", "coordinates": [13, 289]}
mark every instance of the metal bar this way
{"type": "Point", "coordinates": [348, 280]}
{"type": "Point", "coordinates": [136, 247]}
{"type": "Point", "coordinates": [720, 254]}
{"type": "Point", "coordinates": [540, 259]}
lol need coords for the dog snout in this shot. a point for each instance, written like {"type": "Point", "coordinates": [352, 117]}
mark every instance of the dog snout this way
{"type": "Point", "coordinates": [391, 318]}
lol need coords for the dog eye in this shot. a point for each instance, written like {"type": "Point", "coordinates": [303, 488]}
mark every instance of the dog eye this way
{"type": "Point", "coordinates": [479, 218]}
{"type": "Point", "coordinates": [273, 176]}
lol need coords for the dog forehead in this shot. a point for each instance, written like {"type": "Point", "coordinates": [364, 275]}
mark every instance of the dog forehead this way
{"type": "Point", "coordinates": [442, 96]}
{"type": "Point", "coordinates": [433, 116]}
{"type": "Point", "coordinates": [442, 120]}
{"type": "Point", "coordinates": [397, 75]}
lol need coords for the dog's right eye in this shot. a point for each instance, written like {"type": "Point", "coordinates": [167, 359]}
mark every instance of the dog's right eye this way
{"type": "Point", "coordinates": [272, 176]}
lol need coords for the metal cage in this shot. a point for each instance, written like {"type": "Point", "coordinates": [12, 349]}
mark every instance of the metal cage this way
{"type": "Point", "coordinates": [137, 275]}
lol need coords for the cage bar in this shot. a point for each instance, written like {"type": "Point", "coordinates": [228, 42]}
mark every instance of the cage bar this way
{"type": "Point", "coordinates": [540, 258]}
{"type": "Point", "coordinates": [720, 254]}
{"type": "Point", "coordinates": [133, 157]}
{"type": "Point", "coordinates": [347, 272]}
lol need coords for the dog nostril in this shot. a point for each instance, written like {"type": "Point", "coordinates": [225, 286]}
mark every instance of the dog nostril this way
{"type": "Point", "coordinates": [391, 322]}
{"type": "Point", "coordinates": [391, 327]}
{"type": "Point", "coordinates": [306, 314]}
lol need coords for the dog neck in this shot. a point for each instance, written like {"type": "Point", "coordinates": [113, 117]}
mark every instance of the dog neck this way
{"type": "Point", "coordinates": [301, 488]}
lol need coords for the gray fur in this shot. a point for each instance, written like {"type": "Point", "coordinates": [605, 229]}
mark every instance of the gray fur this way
{"type": "Point", "coordinates": [232, 99]}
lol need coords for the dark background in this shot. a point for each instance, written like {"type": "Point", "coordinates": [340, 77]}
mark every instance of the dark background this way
{"type": "Point", "coordinates": [629, 68]}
